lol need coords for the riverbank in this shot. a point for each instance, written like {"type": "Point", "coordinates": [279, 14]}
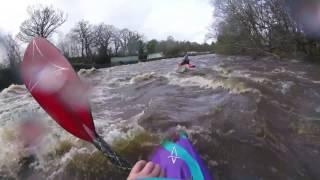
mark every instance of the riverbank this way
{"type": "Point", "coordinates": [118, 61]}
{"type": "Point", "coordinates": [256, 53]}
{"type": "Point", "coordinates": [8, 77]}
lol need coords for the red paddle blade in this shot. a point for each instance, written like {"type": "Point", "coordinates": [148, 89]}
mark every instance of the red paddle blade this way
{"type": "Point", "coordinates": [56, 87]}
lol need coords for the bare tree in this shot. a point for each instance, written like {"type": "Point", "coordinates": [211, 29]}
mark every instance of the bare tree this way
{"type": "Point", "coordinates": [103, 35]}
{"type": "Point", "coordinates": [124, 40]}
{"type": "Point", "coordinates": [116, 39]}
{"type": "Point", "coordinates": [266, 25]}
{"type": "Point", "coordinates": [83, 32]}
{"type": "Point", "coordinates": [75, 46]}
{"type": "Point", "coordinates": [133, 43]}
{"type": "Point", "coordinates": [43, 22]}
{"type": "Point", "coordinates": [12, 51]}
{"type": "Point", "coordinates": [129, 41]}
{"type": "Point", "coordinates": [64, 43]}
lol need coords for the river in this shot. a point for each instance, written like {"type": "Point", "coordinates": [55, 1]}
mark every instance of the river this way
{"type": "Point", "coordinates": [249, 119]}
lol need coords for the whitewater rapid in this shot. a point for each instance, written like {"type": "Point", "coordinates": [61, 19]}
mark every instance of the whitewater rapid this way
{"type": "Point", "coordinates": [249, 119]}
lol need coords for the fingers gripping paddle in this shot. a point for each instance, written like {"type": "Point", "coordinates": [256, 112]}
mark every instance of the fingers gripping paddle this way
{"type": "Point", "coordinates": [56, 87]}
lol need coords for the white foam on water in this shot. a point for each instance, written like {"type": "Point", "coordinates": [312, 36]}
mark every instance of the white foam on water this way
{"type": "Point", "coordinates": [16, 100]}
{"type": "Point", "coordinates": [232, 85]}
{"type": "Point", "coordinates": [16, 103]}
{"type": "Point", "coordinates": [142, 77]}
{"type": "Point", "coordinates": [14, 89]}
{"type": "Point", "coordinates": [120, 128]}
{"type": "Point", "coordinates": [13, 148]}
{"type": "Point", "coordinates": [247, 75]}
{"type": "Point", "coordinates": [87, 72]}
{"type": "Point", "coordinates": [286, 86]}
{"type": "Point", "coordinates": [9, 151]}
{"type": "Point", "coordinates": [307, 79]}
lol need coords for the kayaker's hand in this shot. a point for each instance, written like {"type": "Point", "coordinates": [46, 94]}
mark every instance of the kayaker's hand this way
{"type": "Point", "coordinates": [142, 169]}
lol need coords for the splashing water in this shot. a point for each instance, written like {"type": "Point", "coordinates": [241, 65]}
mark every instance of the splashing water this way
{"type": "Point", "coordinates": [252, 119]}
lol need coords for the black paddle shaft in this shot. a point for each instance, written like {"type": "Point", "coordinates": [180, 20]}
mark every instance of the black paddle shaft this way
{"type": "Point", "coordinates": [113, 156]}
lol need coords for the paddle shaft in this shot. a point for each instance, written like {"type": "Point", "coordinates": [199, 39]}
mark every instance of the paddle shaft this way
{"type": "Point", "coordinates": [113, 156]}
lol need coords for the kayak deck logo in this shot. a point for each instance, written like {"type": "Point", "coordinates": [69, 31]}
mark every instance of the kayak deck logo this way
{"type": "Point", "coordinates": [174, 155]}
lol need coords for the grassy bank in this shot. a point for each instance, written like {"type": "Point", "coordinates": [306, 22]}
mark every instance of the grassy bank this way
{"type": "Point", "coordinates": [117, 61]}
{"type": "Point", "coordinates": [8, 77]}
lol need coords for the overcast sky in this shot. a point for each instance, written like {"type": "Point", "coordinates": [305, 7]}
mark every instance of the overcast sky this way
{"type": "Point", "coordinates": [183, 19]}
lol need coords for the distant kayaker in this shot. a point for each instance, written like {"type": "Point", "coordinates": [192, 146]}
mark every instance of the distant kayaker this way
{"type": "Point", "coordinates": [186, 60]}
{"type": "Point", "coordinates": [143, 169]}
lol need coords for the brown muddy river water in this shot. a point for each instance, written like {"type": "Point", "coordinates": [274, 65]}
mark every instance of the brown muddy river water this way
{"type": "Point", "coordinates": [249, 119]}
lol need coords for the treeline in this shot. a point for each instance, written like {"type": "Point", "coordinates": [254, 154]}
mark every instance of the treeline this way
{"type": "Point", "coordinates": [91, 43]}
{"type": "Point", "coordinates": [281, 27]}
{"type": "Point", "coordinates": [172, 48]}
{"type": "Point", "coordinates": [98, 43]}
{"type": "Point", "coordinates": [84, 43]}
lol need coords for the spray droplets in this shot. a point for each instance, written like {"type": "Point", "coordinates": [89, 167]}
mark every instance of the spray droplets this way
{"type": "Point", "coordinates": [50, 79]}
